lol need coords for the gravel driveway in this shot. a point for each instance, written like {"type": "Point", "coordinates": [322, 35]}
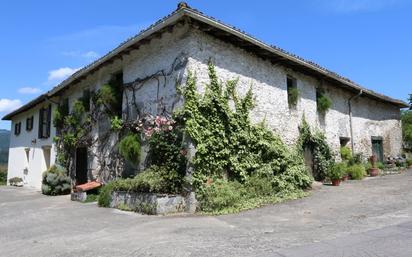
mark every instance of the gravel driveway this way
{"type": "Point", "coordinates": [372, 217]}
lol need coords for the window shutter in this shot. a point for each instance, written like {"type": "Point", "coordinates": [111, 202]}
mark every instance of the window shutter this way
{"type": "Point", "coordinates": [48, 121]}
{"type": "Point", "coordinates": [41, 123]}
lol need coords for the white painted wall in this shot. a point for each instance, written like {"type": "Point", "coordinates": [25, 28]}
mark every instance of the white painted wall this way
{"type": "Point", "coordinates": [28, 140]}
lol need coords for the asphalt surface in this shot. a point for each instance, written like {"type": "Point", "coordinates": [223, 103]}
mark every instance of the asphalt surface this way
{"type": "Point", "coordinates": [372, 217]}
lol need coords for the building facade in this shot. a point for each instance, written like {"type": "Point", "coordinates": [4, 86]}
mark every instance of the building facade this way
{"type": "Point", "coordinates": [152, 64]}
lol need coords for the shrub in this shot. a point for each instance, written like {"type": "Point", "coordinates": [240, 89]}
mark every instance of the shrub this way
{"type": "Point", "coordinates": [380, 165]}
{"type": "Point", "coordinates": [357, 159]}
{"type": "Point", "coordinates": [220, 195]}
{"type": "Point", "coordinates": [55, 181]}
{"type": "Point", "coordinates": [367, 166]}
{"type": "Point", "coordinates": [156, 179]}
{"type": "Point", "coordinates": [105, 195]}
{"type": "Point", "coordinates": [3, 176]}
{"type": "Point", "coordinates": [337, 171]}
{"type": "Point", "coordinates": [346, 153]}
{"type": "Point", "coordinates": [409, 161]}
{"type": "Point", "coordinates": [15, 181]}
{"type": "Point", "coordinates": [357, 171]}
{"type": "Point", "coordinates": [129, 148]}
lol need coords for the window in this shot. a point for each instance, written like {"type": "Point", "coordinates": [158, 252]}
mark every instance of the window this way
{"type": "Point", "coordinates": [323, 102]}
{"type": "Point", "coordinates": [29, 123]}
{"type": "Point", "coordinates": [17, 128]}
{"type": "Point", "coordinates": [293, 93]}
{"type": "Point", "coordinates": [44, 122]}
{"type": "Point", "coordinates": [344, 141]}
{"type": "Point", "coordinates": [86, 100]}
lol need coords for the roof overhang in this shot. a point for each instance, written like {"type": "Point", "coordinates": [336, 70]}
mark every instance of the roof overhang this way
{"type": "Point", "coordinates": [225, 32]}
{"type": "Point", "coordinates": [26, 107]}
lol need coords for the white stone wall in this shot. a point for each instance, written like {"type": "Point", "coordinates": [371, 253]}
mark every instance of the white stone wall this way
{"type": "Point", "coordinates": [190, 50]}
{"type": "Point", "coordinates": [27, 151]}
{"type": "Point", "coordinates": [268, 81]}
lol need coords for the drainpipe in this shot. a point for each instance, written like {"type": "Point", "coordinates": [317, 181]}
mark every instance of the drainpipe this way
{"type": "Point", "coordinates": [350, 119]}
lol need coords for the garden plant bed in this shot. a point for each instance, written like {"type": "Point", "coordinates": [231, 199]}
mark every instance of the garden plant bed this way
{"type": "Point", "coordinates": [149, 203]}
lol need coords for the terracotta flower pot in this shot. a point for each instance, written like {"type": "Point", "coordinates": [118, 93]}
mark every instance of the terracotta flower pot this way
{"type": "Point", "coordinates": [345, 178]}
{"type": "Point", "coordinates": [374, 172]}
{"type": "Point", "coordinates": [335, 182]}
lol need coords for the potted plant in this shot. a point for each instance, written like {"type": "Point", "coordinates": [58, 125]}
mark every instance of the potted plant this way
{"type": "Point", "coordinates": [374, 171]}
{"type": "Point", "coordinates": [336, 173]}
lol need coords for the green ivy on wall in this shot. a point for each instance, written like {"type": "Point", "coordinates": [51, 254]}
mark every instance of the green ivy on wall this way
{"type": "Point", "coordinates": [229, 146]}
{"type": "Point", "coordinates": [317, 144]}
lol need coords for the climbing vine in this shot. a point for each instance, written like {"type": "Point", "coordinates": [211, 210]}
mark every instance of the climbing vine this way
{"type": "Point", "coordinates": [317, 144]}
{"type": "Point", "coordinates": [229, 146]}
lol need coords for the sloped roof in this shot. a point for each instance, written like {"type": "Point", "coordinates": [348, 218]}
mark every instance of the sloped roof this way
{"type": "Point", "coordinates": [228, 33]}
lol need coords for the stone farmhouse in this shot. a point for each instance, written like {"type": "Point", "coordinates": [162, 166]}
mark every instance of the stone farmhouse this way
{"type": "Point", "coordinates": [151, 64]}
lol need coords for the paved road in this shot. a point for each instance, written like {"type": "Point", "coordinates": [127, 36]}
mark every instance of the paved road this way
{"type": "Point", "coordinates": [361, 218]}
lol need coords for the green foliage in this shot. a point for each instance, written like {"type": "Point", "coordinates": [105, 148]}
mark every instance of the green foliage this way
{"type": "Point", "coordinates": [3, 175]}
{"type": "Point", "coordinates": [357, 171]}
{"type": "Point", "coordinates": [346, 153]}
{"type": "Point", "coordinates": [338, 171]}
{"type": "Point", "coordinates": [73, 131]}
{"type": "Point", "coordinates": [317, 144]}
{"type": "Point", "coordinates": [367, 165]}
{"type": "Point", "coordinates": [221, 196]}
{"type": "Point", "coordinates": [228, 144]}
{"type": "Point", "coordinates": [91, 198]}
{"type": "Point", "coordinates": [15, 181]}
{"type": "Point", "coordinates": [380, 165]}
{"type": "Point", "coordinates": [55, 181]}
{"type": "Point", "coordinates": [407, 126]}
{"type": "Point", "coordinates": [110, 96]}
{"type": "Point", "coordinates": [129, 148]}
{"type": "Point", "coordinates": [167, 149]}
{"type": "Point", "coordinates": [356, 159]}
{"type": "Point", "coordinates": [156, 179]}
{"type": "Point", "coordinates": [116, 123]}
{"type": "Point", "coordinates": [293, 96]}
{"type": "Point", "coordinates": [409, 161]}
{"type": "Point", "coordinates": [105, 195]}
{"type": "Point", "coordinates": [323, 102]}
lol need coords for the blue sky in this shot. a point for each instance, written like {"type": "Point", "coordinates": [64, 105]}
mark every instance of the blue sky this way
{"type": "Point", "coordinates": [42, 42]}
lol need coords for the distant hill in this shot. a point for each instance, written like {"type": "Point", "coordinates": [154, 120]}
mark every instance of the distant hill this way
{"type": "Point", "coordinates": [4, 146]}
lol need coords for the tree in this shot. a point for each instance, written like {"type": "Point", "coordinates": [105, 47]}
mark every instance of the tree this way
{"type": "Point", "coordinates": [407, 123]}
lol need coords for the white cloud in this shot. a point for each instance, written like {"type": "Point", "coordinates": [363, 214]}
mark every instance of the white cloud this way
{"type": "Point", "coordinates": [61, 73]}
{"type": "Point", "coordinates": [29, 90]}
{"type": "Point", "coordinates": [90, 55]}
{"type": "Point", "coordinates": [9, 105]}
{"type": "Point", "coordinates": [87, 55]}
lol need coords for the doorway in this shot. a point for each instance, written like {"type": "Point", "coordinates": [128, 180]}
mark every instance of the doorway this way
{"type": "Point", "coordinates": [377, 148]}
{"type": "Point", "coordinates": [81, 165]}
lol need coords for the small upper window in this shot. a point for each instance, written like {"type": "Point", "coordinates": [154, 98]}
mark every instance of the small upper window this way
{"type": "Point", "coordinates": [29, 123]}
{"type": "Point", "coordinates": [44, 122]}
{"type": "Point", "coordinates": [293, 92]}
{"type": "Point", "coordinates": [86, 100]}
{"type": "Point", "coordinates": [17, 128]}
